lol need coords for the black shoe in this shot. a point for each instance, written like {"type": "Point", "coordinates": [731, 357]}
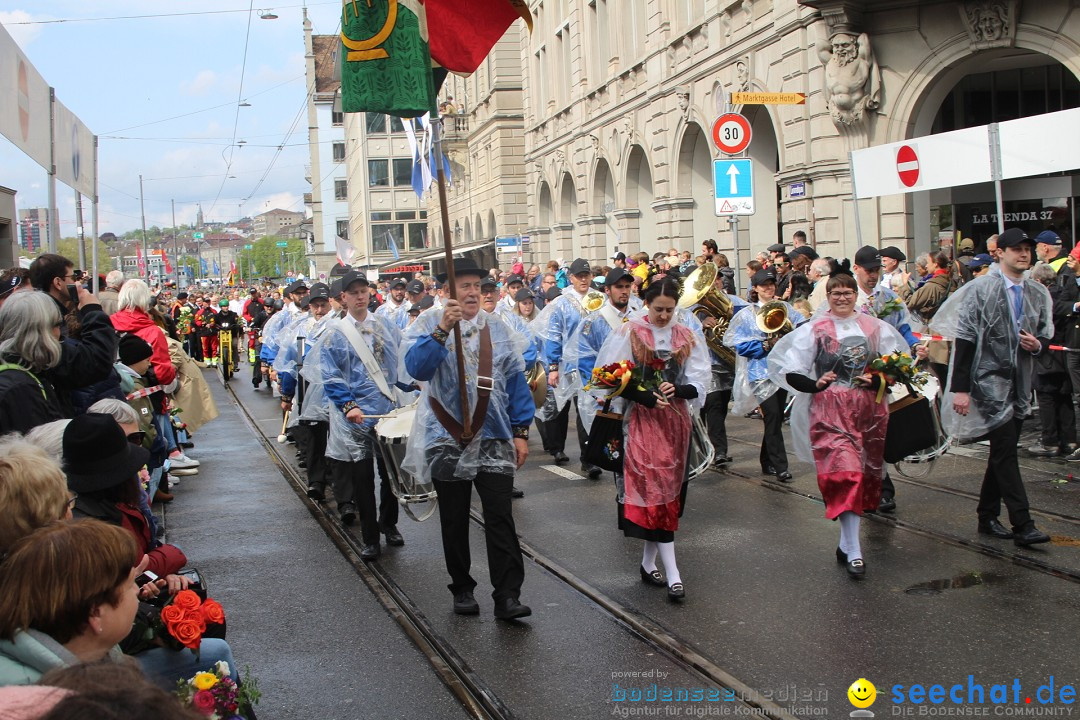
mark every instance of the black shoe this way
{"type": "Point", "coordinates": [561, 458]}
{"type": "Point", "coordinates": [317, 494]}
{"type": "Point", "coordinates": [370, 552]}
{"type": "Point", "coordinates": [393, 537]}
{"type": "Point", "coordinates": [348, 514]}
{"type": "Point", "coordinates": [591, 471]}
{"type": "Point", "coordinates": [516, 493]}
{"type": "Point", "coordinates": [465, 603]}
{"type": "Point", "coordinates": [856, 569]}
{"type": "Point", "coordinates": [841, 556]}
{"type": "Point", "coordinates": [676, 592]}
{"type": "Point", "coordinates": [768, 470]}
{"type": "Point", "coordinates": [255, 384]}
{"type": "Point", "coordinates": [187, 445]}
{"type": "Point", "coordinates": [722, 460]}
{"type": "Point", "coordinates": [785, 477]}
{"type": "Point", "coordinates": [1031, 536]}
{"type": "Point", "coordinates": [654, 578]}
{"type": "Point", "coordinates": [887, 505]}
{"type": "Point", "coordinates": [994, 528]}
{"type": "Point", "coordinates": [301, 463]}
{"type": "Point", "coordinates": [511, 609]}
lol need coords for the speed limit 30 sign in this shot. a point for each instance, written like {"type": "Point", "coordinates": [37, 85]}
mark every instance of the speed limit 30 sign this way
{"type": "Point", "coordinates": [731, 133]}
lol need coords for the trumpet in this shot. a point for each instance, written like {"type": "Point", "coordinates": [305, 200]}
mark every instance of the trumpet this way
{"type": "Point", "coordinates": [772, 319]}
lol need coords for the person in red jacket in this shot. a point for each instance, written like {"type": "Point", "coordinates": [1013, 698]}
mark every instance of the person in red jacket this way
{"type": "Point", "coordinates": [134, 317]}
{"type": "Point", "coordinates": [205, 323]}
{"type": "Point", "coordinates": [103, 467]}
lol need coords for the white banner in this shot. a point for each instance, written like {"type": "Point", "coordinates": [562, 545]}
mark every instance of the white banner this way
{"type": "Point", "coordinates": [24, 102]}
{"type": "Point", "coordinates": [961, 157]}
{"type": "Point", "coordinates": [1040, 144]}
{"type": "Point", "coordinates": [74, 151]}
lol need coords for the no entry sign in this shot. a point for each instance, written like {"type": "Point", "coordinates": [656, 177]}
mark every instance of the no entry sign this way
{"type": "Point", "coordinates": [731, 133]}
{"type": "Point", "coordinates": [907, 165]}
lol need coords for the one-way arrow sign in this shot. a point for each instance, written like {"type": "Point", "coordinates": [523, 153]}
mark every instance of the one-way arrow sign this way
{"type": "Point", "coordinates": [733, 181]}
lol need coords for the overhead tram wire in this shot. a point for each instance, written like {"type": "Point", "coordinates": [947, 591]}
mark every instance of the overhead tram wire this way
{"type": "Point", "coordinates": [236, 120]}
{"type": "Point", "coordinates": [154, 16]}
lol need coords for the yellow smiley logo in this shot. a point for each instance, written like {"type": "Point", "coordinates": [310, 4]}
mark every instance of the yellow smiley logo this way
{"type": "Point", "coordinates": [862, 693]}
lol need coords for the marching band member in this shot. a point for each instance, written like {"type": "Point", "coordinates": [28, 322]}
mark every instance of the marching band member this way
{"type": "Point", "coordinates": [514, 284]}
{"type": "Point", "coordinates": [880, 301]}
{"type": "Point", "coordinates": [656, 427]}
{"type": "Point", "coordinates": [753, 386]}
{"type": "Point", "coordinates": [1001, 321]}
{"type": "Point", "coordinates": [555, 326]}
{"type": "Point", "coordinates": [356, 360]}
{"type": "Point", "coordinates": [501, 410]}
{"type": "Point", "coordinates": [279, 320]}
{"type": "Point", "coordinates": [395, 301]}
{"type": "Point", "coordinates": [840, 414]}
{"type": "Point", "coordinates": [312, 417]}
{"type": "Point", "coordinates": [590, 335]}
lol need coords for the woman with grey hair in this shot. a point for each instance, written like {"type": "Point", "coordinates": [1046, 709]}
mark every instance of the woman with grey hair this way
{"type": "Point", "coordinates": [29, 348]}
{"type": "Point", "coordinates": [134, 317]}
{"type": "Point", "coordinates": [50, 438]}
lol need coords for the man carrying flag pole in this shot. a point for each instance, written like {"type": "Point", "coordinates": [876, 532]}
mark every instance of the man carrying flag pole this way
{"type": "Point", "coordinates": [388, 48]}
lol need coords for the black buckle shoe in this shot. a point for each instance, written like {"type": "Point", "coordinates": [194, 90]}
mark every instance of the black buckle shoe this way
{"type": "Point", "coordinates": [785, 477]}
{"type": "Point", "coordinates": [994, 528]}
{"type": "Point", "coordinates": [511, 609]}
{"type": "Point", "coordinates": [856, 569]}
{"type": "Point", "coordinates": [465, 603]}
{"type": "Point", "coordinates": [516, 493]}
{"type": "Point", "coordinates": [887, 504]}
{"type": "Point", "coordinates": [393, 537]}
{"type": "Point", "coordinates": [1031, 536]}
{"type": "Point", "coordinates": [370, 552]}
{"type": "Point", "coordinates": [676, 592]}
{"type": "Point", "coordinates": [654, 578]}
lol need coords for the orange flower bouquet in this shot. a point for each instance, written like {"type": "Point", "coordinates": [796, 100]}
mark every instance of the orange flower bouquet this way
{"type": "Point", "coordinates": [187, 619]}
{"type": "Point", "coordinates": [613, 377]}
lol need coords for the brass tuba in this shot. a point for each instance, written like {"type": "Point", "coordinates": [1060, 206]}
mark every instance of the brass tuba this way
{"type": "Point", "coordinates": [772, 319]}
{"type": "Point", "coordinates": [700, 293]}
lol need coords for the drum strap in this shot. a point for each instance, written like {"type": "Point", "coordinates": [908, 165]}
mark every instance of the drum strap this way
{"type": "Point", "coordinates": [348, 329]}
{"type": "Point", "coordinates": [484, 386]}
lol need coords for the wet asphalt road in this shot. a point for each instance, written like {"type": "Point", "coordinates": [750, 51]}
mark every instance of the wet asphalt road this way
{"type": "Point", "coordinates": [766, 600]}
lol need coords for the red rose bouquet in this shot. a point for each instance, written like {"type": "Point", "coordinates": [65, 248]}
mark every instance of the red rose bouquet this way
{"type": "Point", "coordinates": [214, 693]}
{"type": "Point", "coordinates": [188, 618]}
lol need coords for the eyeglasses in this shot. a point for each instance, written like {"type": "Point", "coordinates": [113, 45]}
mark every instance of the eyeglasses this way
{"type": "Point", "coordinates": [71, 501]}
{"type": "Point", "coordinates": [843, 294]}
{"type": "Point", "coordinates": [136, 438]}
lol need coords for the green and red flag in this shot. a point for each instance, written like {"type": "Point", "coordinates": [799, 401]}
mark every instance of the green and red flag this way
{"type": "Point", "coordinates": [391, 48]}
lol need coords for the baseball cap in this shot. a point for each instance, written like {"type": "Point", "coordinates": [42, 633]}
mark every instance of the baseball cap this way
{"type": "Point", "coordinates": [763, 276]}
{"type": "Point", "coordinates": [415, 287]}
{"type": "Point", "coordinates": [868, 258]}
{"type": "Point", "coordinates": [319, 291]}
{"type": "Point", "coordinates": [553, 292]}
{"type": "Point", "coordinates": [351, 277]}
{"type": "Point", "coordinates": [980, 260]}
{"type": "Point", "coordinates": [804, 250]}
{"type": "Point", "coordinates": [421, 305]}
{"type": "Point", "coordinates": [619, 256]}
{"type": "Point", "coordinates": [966, 244]}
{"type": "Point", "coordinates": [487, 281]}
{"type": "Point", "coordinates": [515, 279]}
{"type": "Point", "coordinates": [335, 287]}
{"type": "Point", "coordinates": [895, 253]}
{"type": "Point", "coordinates": [296, 287]}
{"type": "Point", "coordinates": [398, 282]}
{"type": "Point", "coordinates": [1012, 238]}
{"type": "Point", "coordinates": [1049, 237]}
{"type": "Point", "coordinates": [580, 266]}
{"type": "Point", "coordinates": [524, 294]}
{"type": "Point", "coordinates": [616, 275]}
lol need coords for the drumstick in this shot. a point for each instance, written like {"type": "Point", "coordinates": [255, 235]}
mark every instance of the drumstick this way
{"type": "Point", "coordinates": [282, 437]}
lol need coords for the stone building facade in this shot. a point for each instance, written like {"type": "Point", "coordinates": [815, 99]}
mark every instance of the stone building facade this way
{"type": "Point", "coordinates": [620, 97]}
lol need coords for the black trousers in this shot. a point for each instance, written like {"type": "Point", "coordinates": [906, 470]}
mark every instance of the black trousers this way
{"type": "Point", "coordinates": [354, 484]}
{"type": "Point", "coordinates": [1058, 417]}
{"type": "Point", "coordinates": [542, 429]}
{"type": "Point", "coordinates": [315, 453]}
{"type": "Point", "coordinates": [505, 564]}
{"type": "Point", "coordinates": [714, 413]}
{"type": "Point", "coordinates": [194, 346]}
{"type": "Point", "coordinates": [1002, 481]}
{"type": "Point", "coordinates": [773, 451]}
{"type": "Point", "coordinates": [256, 367]}
{"type": "Point", "coordinates": [556, 429]}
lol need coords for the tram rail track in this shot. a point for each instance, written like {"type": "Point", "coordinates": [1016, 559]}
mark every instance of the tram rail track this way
{"type": "Point", "coordinates": [478, 699]}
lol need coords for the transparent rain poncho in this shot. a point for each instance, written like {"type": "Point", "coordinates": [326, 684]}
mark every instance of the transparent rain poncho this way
{"type": "Point", "coordinates": [1001, 373]}
{"type": "Point", "coordinates": [287, 352]}
{"type": "Point", "coordinates": [431, 449]}
{"type": "Point", "coordinates": [316, 406]}
{"type": "Point", "coordinates": [271, 340]}
{"type": "Point", "coordinates": [554, 326]}
{"type": "Point", "coordinates": [333, 363]}
{"type": "Point", "coordinates": [582, 349]}
{"type": "Point", "coordinates": [844, 412]}
{"type": "Point", "coordinates": [650, 478]}
{"type": "Point", "coordinates": [752, 385]}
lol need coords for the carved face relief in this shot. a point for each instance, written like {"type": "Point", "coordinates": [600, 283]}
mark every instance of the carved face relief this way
{"type": "Point", "coordinates": [844, 49]}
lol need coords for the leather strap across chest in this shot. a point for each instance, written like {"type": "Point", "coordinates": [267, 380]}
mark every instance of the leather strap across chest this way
{"type": "Point", "coordinates": [484, 385]}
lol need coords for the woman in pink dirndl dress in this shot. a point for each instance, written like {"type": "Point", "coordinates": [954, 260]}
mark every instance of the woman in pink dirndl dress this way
{"type": "Point", "coordinates": [670, 378]}
{"type": "Point", "coordinates": [840, 414]}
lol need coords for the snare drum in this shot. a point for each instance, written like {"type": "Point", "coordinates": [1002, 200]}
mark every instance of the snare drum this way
{"type": "Point", "coordinates": [702, 452]}
{"type": "Point", "coordinates": [391, 437]}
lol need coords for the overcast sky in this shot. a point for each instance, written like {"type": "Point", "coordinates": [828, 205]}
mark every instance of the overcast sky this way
{"type": "Point", "coordinates": [120, 75]}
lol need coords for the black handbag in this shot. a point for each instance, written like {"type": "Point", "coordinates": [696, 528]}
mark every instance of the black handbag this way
{"type": "Point", "coordinates": [605, 447]}
{"type": "Point", "coordinates": [913, 427]}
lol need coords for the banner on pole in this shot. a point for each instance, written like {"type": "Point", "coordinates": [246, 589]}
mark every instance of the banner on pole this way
{"type": "Point", "coordinates": [24, 95]}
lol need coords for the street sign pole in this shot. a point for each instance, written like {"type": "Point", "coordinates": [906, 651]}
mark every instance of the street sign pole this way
{"type": "Point", "coordinates": [733, 223]}
{"type": "Point", "coordinates": [995, 168]}
{"type": "Point", "coordinates": [855, 203]}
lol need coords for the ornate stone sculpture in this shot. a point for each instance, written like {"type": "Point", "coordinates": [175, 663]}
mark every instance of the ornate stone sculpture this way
{"type": "Point", "coordinates": [990, 23]}
{"type": "Point", "coordinates": [852, 76]}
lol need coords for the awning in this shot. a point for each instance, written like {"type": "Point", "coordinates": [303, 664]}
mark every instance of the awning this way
{"type": "Point", "coordinates": [430, 255]}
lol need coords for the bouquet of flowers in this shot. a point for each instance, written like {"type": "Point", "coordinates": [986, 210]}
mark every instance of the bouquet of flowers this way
{"type": "Point", "coordinates": [894, 305]}
{"type": "Point", "coordinates": [613, 377]}
{"type": "Point", "coordinates": [897, 368]}
{"type": "Point", "coordinates": [187, 618]}
{"type": "Point", "coordinates": [652, 374]}
{"type": "Point", "coordinates": [217, 696]}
